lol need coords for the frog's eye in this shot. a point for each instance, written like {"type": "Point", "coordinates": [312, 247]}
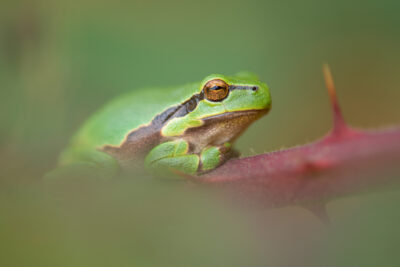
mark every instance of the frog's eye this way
{"type": "Point", "coordinates": [216, 90]}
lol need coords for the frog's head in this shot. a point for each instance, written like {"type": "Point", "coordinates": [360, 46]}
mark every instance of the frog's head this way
{"type": "Point", "coordinates": [221, 105]}
{"type": "Point", "coordinates": [242, 92]}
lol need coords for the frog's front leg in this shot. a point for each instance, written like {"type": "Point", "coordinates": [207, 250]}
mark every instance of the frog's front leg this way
{"type": "Point", "coordinates": [175, 155]}
{"type": "Point", "coordinates": [213, 156]}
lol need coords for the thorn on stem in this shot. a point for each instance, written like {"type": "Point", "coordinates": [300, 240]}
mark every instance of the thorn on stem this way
{"type": "Point", "coordinates": [319, 211]}
{"type": "Point", "coordinates": [339, 124]}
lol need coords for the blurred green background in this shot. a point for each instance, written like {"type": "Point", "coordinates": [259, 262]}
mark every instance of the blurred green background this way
{"type": "Point", "coordinates": [61, 60]}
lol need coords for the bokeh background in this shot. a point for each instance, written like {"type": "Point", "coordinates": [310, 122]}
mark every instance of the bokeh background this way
{"type": "Point", "coordinates": [61, 60]}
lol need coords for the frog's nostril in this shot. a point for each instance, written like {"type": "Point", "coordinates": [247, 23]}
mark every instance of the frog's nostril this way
{"type": "Point", "coordinates": [255, 88]}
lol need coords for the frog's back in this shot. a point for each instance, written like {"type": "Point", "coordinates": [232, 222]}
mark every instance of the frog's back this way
{"type": "Point", "coordinates": [112, 123]}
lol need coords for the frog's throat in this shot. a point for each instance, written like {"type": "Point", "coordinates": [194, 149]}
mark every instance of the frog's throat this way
{"type": "Point", "coordinates": [222, 128]}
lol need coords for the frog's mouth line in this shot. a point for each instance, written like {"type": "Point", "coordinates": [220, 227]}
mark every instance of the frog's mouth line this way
{"type": "Point", "coordinates": [256, 113]}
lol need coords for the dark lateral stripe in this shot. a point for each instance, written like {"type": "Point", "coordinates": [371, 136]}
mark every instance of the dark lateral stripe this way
{"type": "Point", "coordinates": [242, 87]}
{"type": "Point", "coordinates": [179, 110]}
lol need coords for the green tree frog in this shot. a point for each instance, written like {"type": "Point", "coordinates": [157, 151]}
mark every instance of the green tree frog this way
{"type": "Point", "coordinates": [188, 129]}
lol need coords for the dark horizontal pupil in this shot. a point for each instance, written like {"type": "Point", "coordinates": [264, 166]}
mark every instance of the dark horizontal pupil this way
{"type": "Point", "coordinates": [216, 87]}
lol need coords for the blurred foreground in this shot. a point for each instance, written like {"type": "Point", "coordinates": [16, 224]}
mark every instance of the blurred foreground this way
{"type": "Point", "coordinates": [145, 222]}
